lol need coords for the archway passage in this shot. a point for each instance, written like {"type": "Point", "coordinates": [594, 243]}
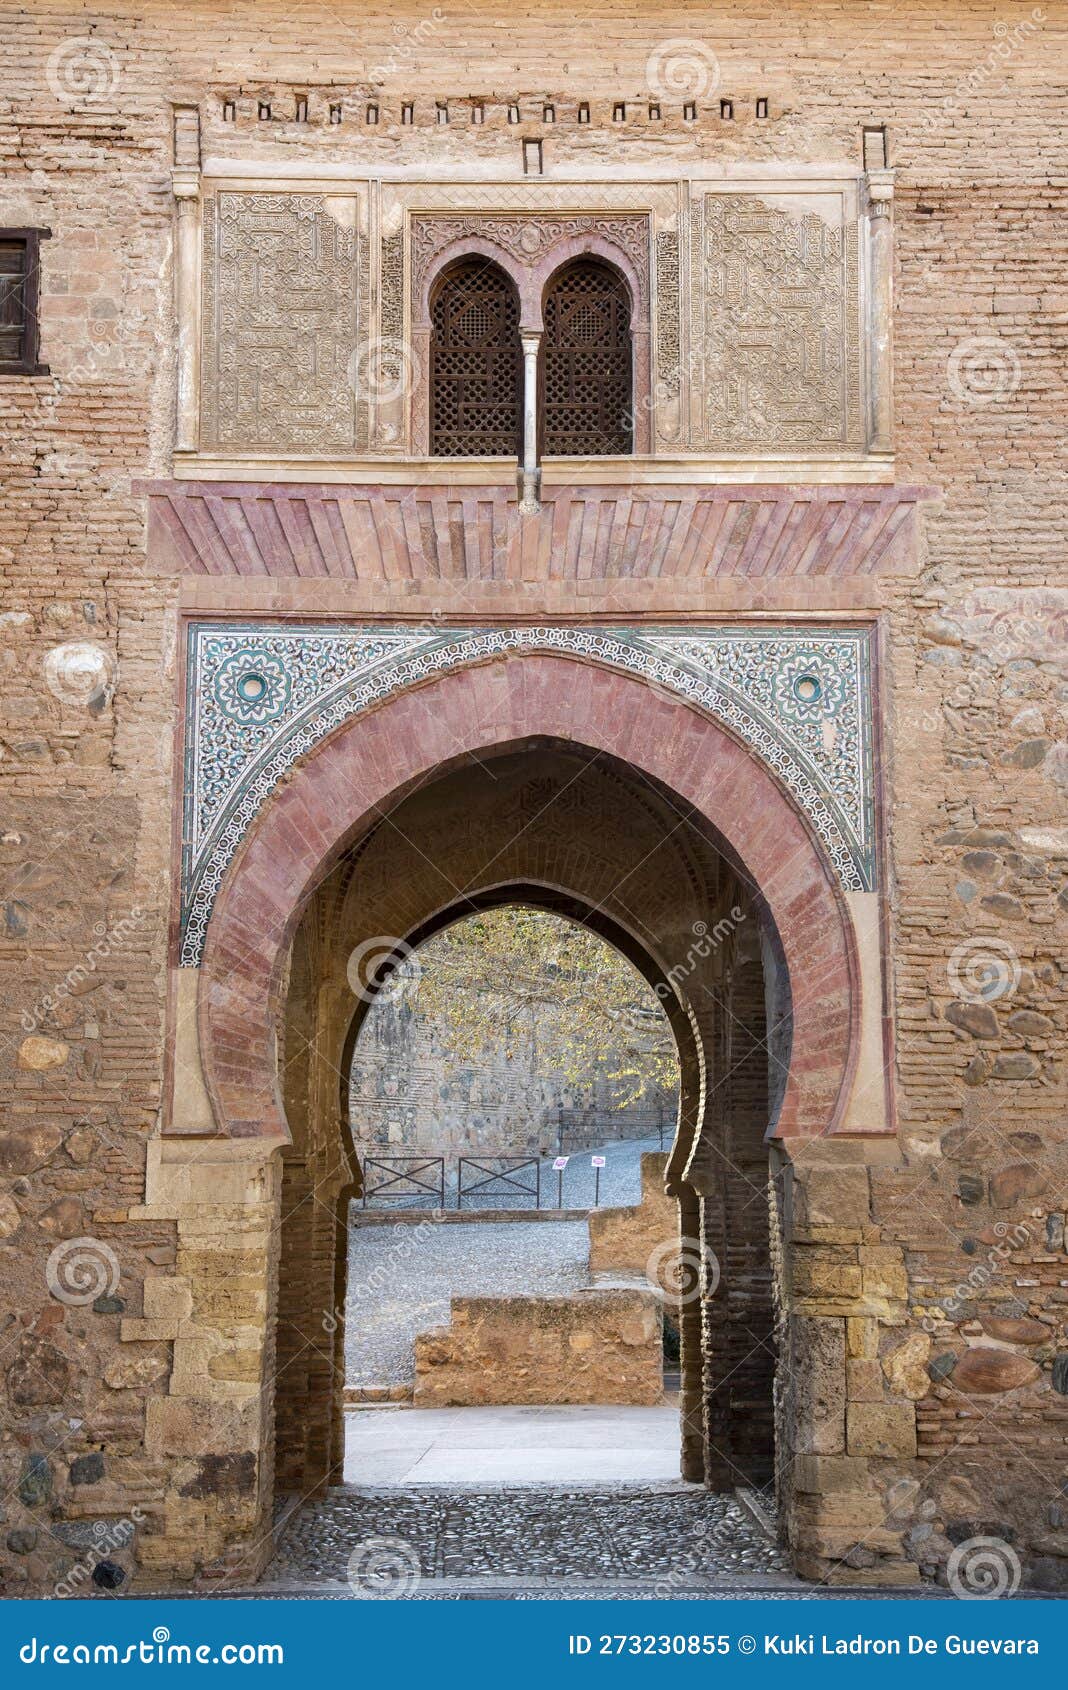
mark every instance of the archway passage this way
{"type": "Point", "coordinates": [336, 795]}
{"type": "Point", "coordinates": [515, 1073]}
{"type": "Point", "coordinates": [562, 828]}
{"type": "Point", "coordinates": [566, 784]}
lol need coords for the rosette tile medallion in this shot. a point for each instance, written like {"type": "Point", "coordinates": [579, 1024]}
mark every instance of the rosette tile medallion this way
{"type": "Point", "coordinates": [262, 694]}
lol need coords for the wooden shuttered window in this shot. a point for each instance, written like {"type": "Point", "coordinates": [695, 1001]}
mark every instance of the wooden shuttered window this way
{"type": "Point", "coordinates": [20, 270]}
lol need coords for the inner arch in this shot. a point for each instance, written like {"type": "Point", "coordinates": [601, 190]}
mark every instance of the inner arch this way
{"type": "Point", "coordinates": [584, 835]}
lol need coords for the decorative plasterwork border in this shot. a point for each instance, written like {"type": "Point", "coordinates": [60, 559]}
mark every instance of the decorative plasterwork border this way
{"type": "Point", "coordinates": [527, 238]}
{"type": "Point", "coordinates": [259, 695]}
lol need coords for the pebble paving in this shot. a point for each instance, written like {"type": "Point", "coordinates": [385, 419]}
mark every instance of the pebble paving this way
{"type": "Point", "coordinates": [509, 1542]}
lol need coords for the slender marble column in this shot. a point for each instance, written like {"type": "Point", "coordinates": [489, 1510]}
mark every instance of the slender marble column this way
{"type": "Point", "coordinates": [186, 185]}
{"type": "Point", "coordinates": [881, 317]}
{"type": "Point", "coordinates": [528, 501]}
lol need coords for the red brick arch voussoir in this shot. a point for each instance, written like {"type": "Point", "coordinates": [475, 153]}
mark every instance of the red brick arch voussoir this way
{"type": "Point", "coordinates": [340, 784]}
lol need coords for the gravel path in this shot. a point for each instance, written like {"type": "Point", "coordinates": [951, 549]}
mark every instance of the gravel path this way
{"type": "Point", "coordinates": [424, 1266]}
{"type": "Point", "coordinates": [402, 1277]}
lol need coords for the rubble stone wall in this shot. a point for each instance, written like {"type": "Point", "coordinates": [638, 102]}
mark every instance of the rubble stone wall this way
{"type": "Point", "coordinates": [592, 1347]}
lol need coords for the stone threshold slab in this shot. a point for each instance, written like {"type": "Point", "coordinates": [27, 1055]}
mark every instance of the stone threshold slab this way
{"type": "Point", "coordinates": [440, 1217]}
{"type": "Point", "coordinates": [774, 1589]}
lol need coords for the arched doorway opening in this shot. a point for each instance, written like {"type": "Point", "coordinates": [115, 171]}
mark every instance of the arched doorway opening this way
{"type": "Point", "coordinates": [563, 829]}
{"type": "Point", "coordinates": [515, 1076]}
{"type": "Point", "coordinates": [319, 862]}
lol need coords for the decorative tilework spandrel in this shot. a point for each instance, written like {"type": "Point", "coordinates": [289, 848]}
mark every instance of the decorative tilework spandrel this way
{"type": "Point", "coordinates": [282, 275]}
{"type": "Point", "coordinates": [261, 695]}
{"type": "Point", "coordinates": [778, 327]}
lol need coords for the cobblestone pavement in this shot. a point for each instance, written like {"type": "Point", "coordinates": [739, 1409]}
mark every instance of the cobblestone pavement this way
{"type": "Point", "coordinates": [508, 1541]}
{"type": "Point", "coordinates": [401, 1279]}
{"type": "Point", "coordinates": [624, 1543]}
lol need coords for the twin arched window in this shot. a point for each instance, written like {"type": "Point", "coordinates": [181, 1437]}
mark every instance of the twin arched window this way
{"type": "Point", "coordinates": [476, 374]}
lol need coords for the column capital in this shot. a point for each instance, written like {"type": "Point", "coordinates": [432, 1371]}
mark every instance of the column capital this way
{"type": "Point", "coordinates": [880, 193]}
{"type": "Point", "coordinates": [185, 185]}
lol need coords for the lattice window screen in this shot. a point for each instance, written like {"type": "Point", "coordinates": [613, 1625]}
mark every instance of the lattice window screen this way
{"type": "Point", "coordinates": [586, 363]}
{"type": "Point", "coordinates": [476, 377]}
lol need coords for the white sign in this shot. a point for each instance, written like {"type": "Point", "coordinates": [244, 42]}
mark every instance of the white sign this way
{"type": "Point", "coordinates": [560, 1164]}
{"type": "Point", "coordinates": [598, 1161]}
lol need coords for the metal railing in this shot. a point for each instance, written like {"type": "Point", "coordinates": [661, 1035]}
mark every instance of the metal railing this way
{"type": "Point", "coordinates": [498, 1177]}
{"type": "Point", "coordinates": [510, 1181]}
{"type": "Point", "coordinates": [404, 1178]}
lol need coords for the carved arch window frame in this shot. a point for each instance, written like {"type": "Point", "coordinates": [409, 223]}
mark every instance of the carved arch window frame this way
{"type": "Point", "coordinates": [531, 280]}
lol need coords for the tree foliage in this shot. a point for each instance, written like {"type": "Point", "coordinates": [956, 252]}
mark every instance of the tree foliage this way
{"type": "Point", "coordinates": [519, 974]}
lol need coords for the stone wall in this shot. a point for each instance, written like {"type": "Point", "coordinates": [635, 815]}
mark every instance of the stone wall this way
{"type": "Point", "coordinates": [628, 1240]}
{"type": "Point", "coordinates": [593, 1347]}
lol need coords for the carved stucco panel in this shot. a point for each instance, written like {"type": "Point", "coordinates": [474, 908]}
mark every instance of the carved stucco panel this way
{"type": "Point", "coordinates": [528, 237]}
{"type": "Point", "coordinates": [282, 286]}
{"type": "Point", "coordinates": [777, 327]}
{"type": "Point", "coordinates": [668, 319]}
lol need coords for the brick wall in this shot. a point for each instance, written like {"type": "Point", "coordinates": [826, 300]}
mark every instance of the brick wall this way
{"type": "Point", "coordinates": [976, 748]}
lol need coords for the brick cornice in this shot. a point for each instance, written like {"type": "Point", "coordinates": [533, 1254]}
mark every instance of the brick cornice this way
{"type": "Point", "coordinates": [424, 532]}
